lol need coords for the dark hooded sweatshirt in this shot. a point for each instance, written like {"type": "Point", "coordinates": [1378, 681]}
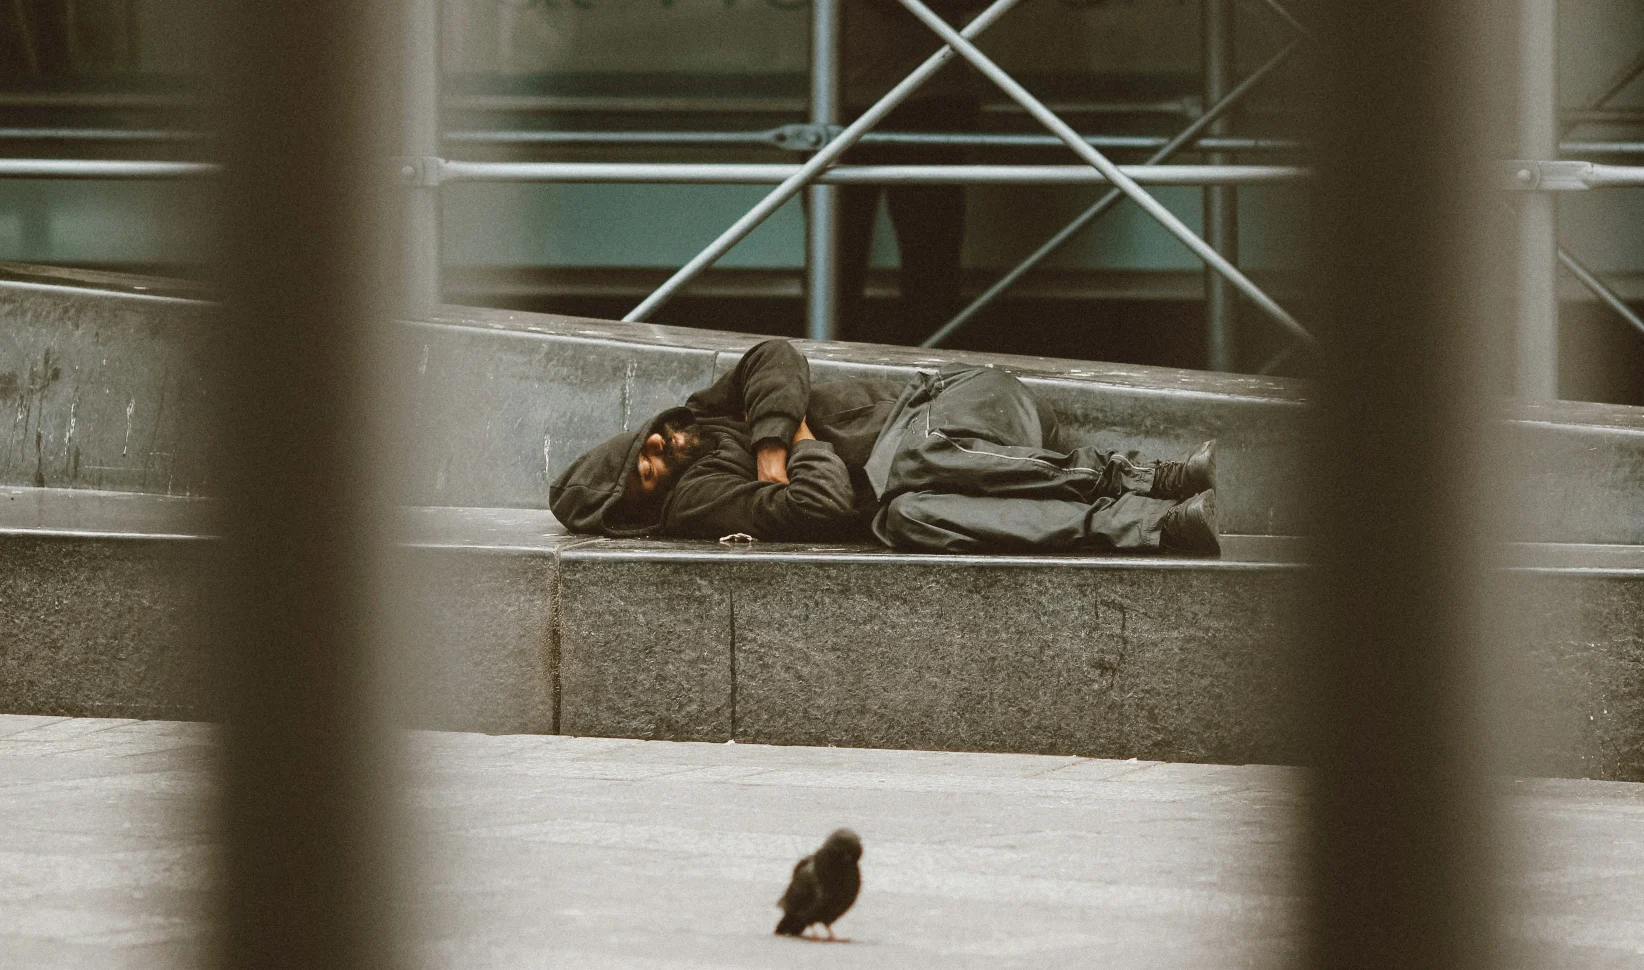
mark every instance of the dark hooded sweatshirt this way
{"type": "Point", "coordinates": [827, 496]}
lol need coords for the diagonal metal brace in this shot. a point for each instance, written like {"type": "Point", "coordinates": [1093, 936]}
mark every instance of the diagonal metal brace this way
{"type": "Point", "coordinates": [1120, 180]}
{"type": "Point", "coordinates": [808, 172]}
{"type": "Point", "coordinates": [1107, 201]}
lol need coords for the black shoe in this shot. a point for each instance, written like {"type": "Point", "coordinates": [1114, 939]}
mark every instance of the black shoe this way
{"type": "Point", "coordinates": [1186, 478]}
{"type": "Point", "coordinates": [1190, 526]}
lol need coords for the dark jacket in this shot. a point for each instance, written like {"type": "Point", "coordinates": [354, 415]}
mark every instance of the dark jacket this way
{"type": "Point", "coordinates": [827, 496]}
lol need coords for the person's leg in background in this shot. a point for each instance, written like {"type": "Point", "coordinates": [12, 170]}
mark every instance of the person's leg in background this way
{"type": "Point", "coordinates": [930, 224]}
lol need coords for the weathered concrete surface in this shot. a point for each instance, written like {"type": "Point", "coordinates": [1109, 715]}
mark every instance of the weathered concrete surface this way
{"type": "Point", "coordinates": [508, 625]}
{"type": "Point", "coordinates": [104, 389]}
{"type": "Point", "coordinates": [1189, 660]}
{"type": "Point", "coordinates": [105, 610]}
{"type": "Point", "coordinates": [585, 852]}
{"type": "Point", "coordinates": [1175, 659]}
{"type": "Point", "coordinates": [502, 401]}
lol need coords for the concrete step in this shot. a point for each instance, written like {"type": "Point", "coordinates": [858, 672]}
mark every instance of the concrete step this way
{"type": "Point", "coordinates": [105, 387]}
{"type": "Point", "coordinates": [509, 626]}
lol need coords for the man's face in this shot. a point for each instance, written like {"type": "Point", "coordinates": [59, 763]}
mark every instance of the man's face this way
{"type": "Point", "coordinates": [652, 473]}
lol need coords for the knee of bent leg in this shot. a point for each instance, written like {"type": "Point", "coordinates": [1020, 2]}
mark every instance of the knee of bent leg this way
{"type": "Point", "coordinates": [913, 521]}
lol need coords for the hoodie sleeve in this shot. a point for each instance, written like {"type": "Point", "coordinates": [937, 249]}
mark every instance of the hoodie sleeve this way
{"type": "Point", "coordinates": [771, 385]}
{"type": "Point", "coordinates": [719, 496]}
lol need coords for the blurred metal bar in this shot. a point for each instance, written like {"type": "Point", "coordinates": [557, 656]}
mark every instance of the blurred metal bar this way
{"type": "Point", "coordinates": [1290, 18]}
{"type": "Point", "coordinates": [1601, 147]}
{"type": "Point", "coordinates": [1537, 339]}
{"type": "Point", "coordinates": [782, 137]}
{"type": "Point", "coordinates": [100, 134]}
{"type": "Point", "coordinates": [1608, 116]}
{"type": "Point", "coordinates": [733, 173]}
{"type": "Point", "coordinates": [1401, 827]}
{"type": "Point", "coordinates": [822, 214]}
{"type": "Point", "coordinates": [807, 172]}
{"type": "Point", "coordinates": [309, 263]}
{"type": "Point", "coordinates": [1590, 280]}
{"type": "Point", "coordinates": [1123, 182]}
{"type": "Point", "coordinates": [1106, 202]}
{"type": "Point", "coordinates": [58, 168]}
{"type": "Point", "coordinates": [422, 136]}
{"type": "Point", "coordinates": [1219, 57]}
{"type": "Point", "coordinates": [1617, 82]}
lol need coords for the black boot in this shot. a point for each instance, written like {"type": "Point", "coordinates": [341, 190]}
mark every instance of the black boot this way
{"type": "Point", "coordinates": [1186, 478]}
{"type": "Point", "coordinates": [1190, 526]}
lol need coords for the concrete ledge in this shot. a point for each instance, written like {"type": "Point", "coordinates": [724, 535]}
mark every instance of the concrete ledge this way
{"type": "Point", "coordinates": [105, 616]}
{"type": "Point", "coordinates": [105, 385]}
{"type": "Point", "coordinates": [509, 626]}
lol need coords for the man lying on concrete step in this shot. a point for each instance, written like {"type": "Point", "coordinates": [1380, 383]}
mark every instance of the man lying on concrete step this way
{"type": "Point", "coordinates": [961, 460]}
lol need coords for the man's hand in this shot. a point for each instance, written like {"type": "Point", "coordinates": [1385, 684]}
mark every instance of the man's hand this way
{"type": "Point", "coordinates": [772, 459]}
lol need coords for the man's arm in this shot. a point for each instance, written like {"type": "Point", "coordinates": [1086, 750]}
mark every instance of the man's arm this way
{"type": "Point", "coordinates": [769, 388]}
{"type": "Point", "coordinates": [720, 497]}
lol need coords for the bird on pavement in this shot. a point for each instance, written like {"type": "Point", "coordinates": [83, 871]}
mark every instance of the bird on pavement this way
{"type": "Point", "coordinates": [824, 886]}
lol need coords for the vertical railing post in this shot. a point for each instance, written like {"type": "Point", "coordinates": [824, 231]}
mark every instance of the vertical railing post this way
{"type": "Point", "coordinates": [1538, 211]}
{"type": "Point", "coordinates": [422, 138]}
{"type": "Point", "coordinates": [1402, 824]}
{"type": "Point", "coordinates": [1221, 202]}
{"type": "Point", "coordinates": [822, 215]}
{"type": "Point", "coordinates": [311, 270]}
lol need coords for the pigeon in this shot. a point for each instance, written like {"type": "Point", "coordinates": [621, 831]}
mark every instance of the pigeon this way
{"type": "Point", "coordinates": [824, 886]}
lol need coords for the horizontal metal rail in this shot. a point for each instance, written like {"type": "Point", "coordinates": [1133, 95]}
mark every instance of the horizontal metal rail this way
{"type": "Point", "coordinates": [1551, 176]}
{"type": "Point", "coordinates": [86, 168]}
{"type": "Point", "coordinates": [686, 173]}
{"type": "Point", "coordinates": [783, 137]}
{"type": "Point", "coordinates": [778, 137]}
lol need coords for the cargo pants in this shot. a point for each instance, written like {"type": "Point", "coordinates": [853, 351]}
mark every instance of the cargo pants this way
{"type": "Point", "coordinates": [967, 463]}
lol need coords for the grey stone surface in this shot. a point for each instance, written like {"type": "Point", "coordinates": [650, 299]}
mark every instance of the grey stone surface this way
{"type": "Point", "coordinates": [589, 852]}
{"type": "Point", "coordinates": [1578, 702]}
{"type": "Point", "coordinates": [103, 389]}
{"type": "Point", "coordinates": [106, 626]}
{"type": "Point", "coordinates": [506, 624]}
{"type": "Point", "coordinates": [501, 401]}
{"type": "Point", "coordinates": [1108, 657]}
{"type": "Point", "coordinates": [1178, 659]}
{"type": "Point", "coordinates": [104, 610]}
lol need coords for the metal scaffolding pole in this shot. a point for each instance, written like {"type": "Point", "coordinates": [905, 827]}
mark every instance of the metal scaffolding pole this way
{"type": "Point", "coordinates": [422, 136]}
{"type": "Point", "coordinates": [1123, 182]}
{"type": "Point", "coordinates": [807, 172]}
{"type": "Point", "coordinates": [1221, 203]}
{"type": "Point", "coordinates": [1183, 138]}
{"type": "Point", "coordinates": [822, 214]}
{"type": "Point", "coordinates": [1537, 341]}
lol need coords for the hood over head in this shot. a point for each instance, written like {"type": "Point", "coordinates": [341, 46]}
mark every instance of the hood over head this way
{"type": "Point", "coordinates": [584, 497]}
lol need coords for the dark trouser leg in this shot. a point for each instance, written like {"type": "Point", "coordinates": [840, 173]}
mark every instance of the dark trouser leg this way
{"type": "Point", "coordinates": [858, 204]}
{"type": "Point", "coordinates": [929, 222]}
{"type": "Point", "coordinates": [944, 522]}
{"type": "Point", "coordinates": [978, 431]}
{"type": "Point", "coordinates": [930, 227]}
{"type": "Point", "coordinates": [963, 465]}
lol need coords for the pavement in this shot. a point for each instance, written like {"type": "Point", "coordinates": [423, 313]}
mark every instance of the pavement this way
{"type": "Point", "coordinates": [540, 851]}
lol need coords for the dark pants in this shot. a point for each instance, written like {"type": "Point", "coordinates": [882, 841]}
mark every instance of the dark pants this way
{"type": "Point", "coordinates": [929, 222]}
{"type": "Point", "coordinates": [966, 464]}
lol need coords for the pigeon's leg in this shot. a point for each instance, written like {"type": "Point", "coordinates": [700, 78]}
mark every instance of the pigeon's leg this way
{"type": "Point", "coordinates": [831, 937]}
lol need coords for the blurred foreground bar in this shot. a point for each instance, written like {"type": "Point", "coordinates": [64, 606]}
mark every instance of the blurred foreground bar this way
{"type": "Point", "coordinates": [309, 276]}
{"type": "Point", "coordinates": [1402, 831]}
